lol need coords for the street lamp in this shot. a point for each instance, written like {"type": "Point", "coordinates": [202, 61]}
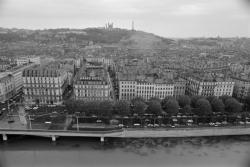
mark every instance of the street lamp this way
{"type": "Point", "coordinates": [77, 125]}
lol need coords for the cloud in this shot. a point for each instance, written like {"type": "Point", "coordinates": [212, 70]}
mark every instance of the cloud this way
{"type": "Point", "coordinates": [190, 9]}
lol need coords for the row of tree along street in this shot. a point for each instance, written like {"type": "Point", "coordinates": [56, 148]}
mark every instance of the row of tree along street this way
{"type": "Point", "coordinates": [196, 105]}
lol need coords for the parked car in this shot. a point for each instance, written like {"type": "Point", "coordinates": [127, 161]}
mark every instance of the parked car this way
{"type": "Point", "coordinates": [150, 125]}
{"type": "Point", "coordinates": [224, 123]}
{"type": "Point", "coordinates": [137, 125]}
{"type": "Point", "coordinates": [156, 125]}
{"type": "Point", "coordinates": [218, 123]}
{"type": "Point", "coordinates": [211, 124]}
{"type": "Point", "coordinates": [120, 125]}
{"type": "Point", "coordinates": [98, 121]}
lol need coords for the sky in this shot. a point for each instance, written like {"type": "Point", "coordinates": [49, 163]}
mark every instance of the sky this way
{"type": "Point", "coordinates": [168, 18]}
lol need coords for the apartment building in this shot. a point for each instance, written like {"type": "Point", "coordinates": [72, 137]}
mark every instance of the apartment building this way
{"type": "Point", "coordinates": [7, 86]}
{"type": "Point", "coordinates": [131, 87]}
{"type": "Point", "coordinates": [179, 88]}
{"type": "Point", "coordinates": [28, 59]}
{"type": "Point", "coordinates": [92, 84]}
{"type": "Point", "coordinates": [106, 61]}
{"type": "Point", "coordinates": [208, 86]}
{"type": "Point", "coordinates": [241, 88]}
{"type": "Point", "coordinates": [44, 84]}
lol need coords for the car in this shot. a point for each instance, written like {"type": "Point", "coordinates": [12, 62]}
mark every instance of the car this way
{"type": "Point", "coordinates": [218, 123]}
{"type": "Point", "coordinates": [224, 123]}
{"type": "Point", "coordinates": [241, 122]}
{"type": "Point", "coordinates": [11, 121]}
{"type": "Point", "coordinates": [35, 108]}
{"type": "Point", "coordinates": [156, 125]}
{"type": "Point", "coordinates": [120, 125]}
{"type": "Point", "coordinates": [163, 125]}
{"type": "Point", "coordinates": [247, 122]}
{"type": "Point", "coordinates": [47, 122]}
{"type": "Point", "coordinates": [150, 125]}
{"type": "Point", "coordinates": [27, 108]}
{"type": "Point", "coordinates": [98, 121]}
{"type": "Point", "coordinates": [172, 126]}
{"type": "Point", "coordinates": [211, 124]}
{"type": "Point", "coordinates": [137, 125]}
{"type": "Point", "coordinates": [93, 116]}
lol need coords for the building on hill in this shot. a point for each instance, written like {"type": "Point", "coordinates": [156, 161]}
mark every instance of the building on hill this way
{"type": "Point", "coordinates": [45, 84]}
{"type": "Point", "coordinates": [28, 59]}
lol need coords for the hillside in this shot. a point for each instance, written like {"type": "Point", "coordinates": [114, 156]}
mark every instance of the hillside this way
{"type": "Point", "coordinates": [71, 42]}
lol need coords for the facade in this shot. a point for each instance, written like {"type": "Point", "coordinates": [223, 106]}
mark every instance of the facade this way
{"type": "Point", "coordinates": [7, 86]}
{"type": "Point", "coordinates": [17, 73]}
{"type": "Point", "coordinates": [204, 87]}
{"type": "Point", "coordinates": [179, 88]}
{"type": "Point", "coordinates": [241, 88]}
{"type": "Point", "coordinates": [44, 84]}
{"type": "Point", "coordinates": [92, 84]}
{"type": "Point", "coordinates": [28, 59]}
{"type": "Point", "coordinates": [102, 60]}
{"type": "Point", "coordinates": [130, 88]}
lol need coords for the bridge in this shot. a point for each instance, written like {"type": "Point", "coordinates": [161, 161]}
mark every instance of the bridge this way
{"type": "Point", "coordinates": [134, 133]}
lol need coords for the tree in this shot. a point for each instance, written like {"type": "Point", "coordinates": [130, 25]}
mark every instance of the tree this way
{"type": "Point", "coordinates": [187, 109]}
{"type": "Point", "coordinates": [154, 107]}
{"type": "Point", "coordinates": [184, 100]}
{"type": "Point", "coordinates": [155, 99]}
{"type": "Point", "coordinates": [137, 99]}
{"type": "Point", "coordinates": [211, 98]}
{"type": "Point", "coordinates": [171, 106]}
{"type": "Point", "coordinates": [70, 105]}
{"type": "Point", "coordinates": [139, 107]}
{"type": "Point", "coordinates": [194, 100]}
{"type": "Point", "coordinates": [247, 101]}
{"type": "Point", "coordinates": [217, 105]}
{"type": "Point", "coordinates": [224, 98]}
{"type": "Point", "coordinates": [106, 108]}
{"type": "Point", "coordinates": [122, 108]}
{"type": "Point", "coordinates": [203, 107]}
{"type": "Point", "coordinates": [165, 100]}
{"type": "Point", "coordinates": [232, 105]}
{"type": "Point", "coordinates": [93, 108]}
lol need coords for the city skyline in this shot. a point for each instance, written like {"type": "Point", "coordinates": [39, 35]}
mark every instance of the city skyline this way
{"type": "Point", "coordinates": [199, 18]}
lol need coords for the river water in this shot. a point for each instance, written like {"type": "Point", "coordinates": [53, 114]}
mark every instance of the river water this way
{"type": "Point", "coordinates": [23, 151]}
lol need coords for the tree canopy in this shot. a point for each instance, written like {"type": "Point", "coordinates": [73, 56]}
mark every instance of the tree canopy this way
{"type": "Point", "coordinates": [139, 107]}
{"type": "Point", "coordinates": [154, 107]}
{"type": "Point", "coordinates": [232, 105]}
{"type": "Point", "coordinates": [184, 100]}
{"type": "Point", "coordinates": [203, 107]}
{"type": "Point", "coordinates": [122, 107]}
{"type": "Point", "coordinates": [171, 106]}
{"type": "Point", "coordinates": [194, 100]}
{"type": "Point", "coordinates": [217, 105]}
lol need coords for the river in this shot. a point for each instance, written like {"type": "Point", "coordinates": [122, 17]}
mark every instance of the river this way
{"type": "Point", "coordinates": [23, 151]}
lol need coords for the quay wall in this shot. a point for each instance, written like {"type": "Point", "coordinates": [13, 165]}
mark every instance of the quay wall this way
{"type": "Point", "coordinates": [137, 133]}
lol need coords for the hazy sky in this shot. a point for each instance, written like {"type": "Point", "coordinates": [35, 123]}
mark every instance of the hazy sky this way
{"type": "Point", "coordinates": [169, 18]}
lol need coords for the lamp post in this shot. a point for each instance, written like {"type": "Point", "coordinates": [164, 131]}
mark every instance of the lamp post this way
{"type": "Point", "coordinates": [77, 125]}
{"type": "Point", "coordinates": [30, 122]}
